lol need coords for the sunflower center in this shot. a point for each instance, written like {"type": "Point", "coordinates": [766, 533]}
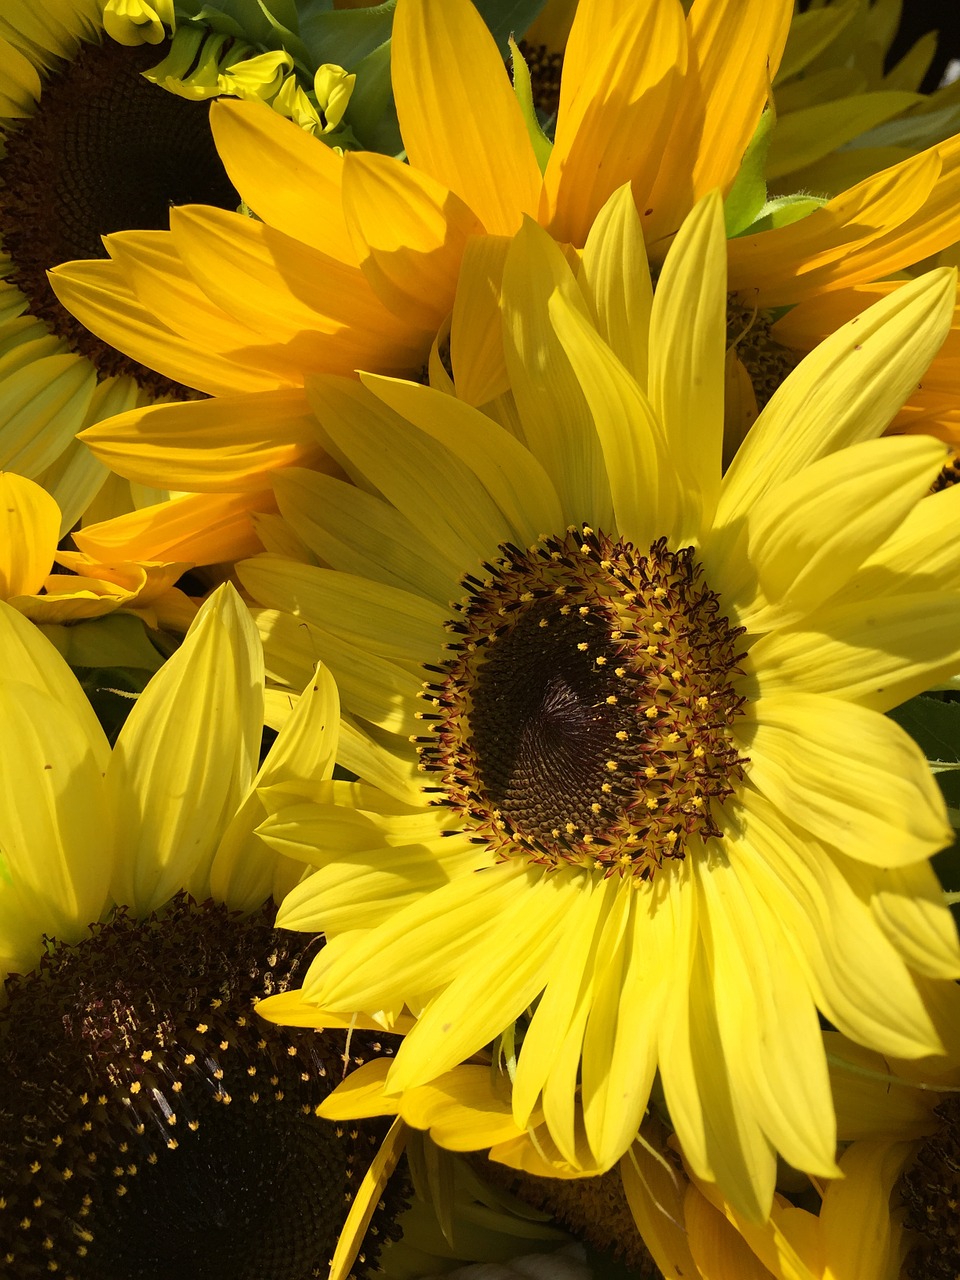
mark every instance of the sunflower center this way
{"type": "Point", "coordinates": [152, 1127]}
{"type": "Point", "coordinates": [583, 715]}
{"type": "Point", "coordinates": [766, 361]}
{"type": "Point", "coordinates": [105, 151]}
{"type": "Point", "coordinates": [931, 1190]}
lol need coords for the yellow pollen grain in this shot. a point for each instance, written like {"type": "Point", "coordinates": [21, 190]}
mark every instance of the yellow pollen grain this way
{"type": "Point", "coordinates": [583, 647]}
{"type": "Point", "coordinates": [676, 675]}
{"type": "Point", "coordinates": [606, 787]}
{"type": "Point", "coordinates": [601, 661]}
{"type": "Point", "coordinates": [652, 804]}
{"type": "Point", "coordinates": [526, 596]}
{"type": "Point", "coordinates": [673, 737]}
{"type": "Point", "coordinates": [650, 771]}
{"type": "Point", "coordinates": [672, 837]}
{"type": "Point", "coordinates": [612, 700]}
{"type": "Point", "coordinates": [570, 828]}
{"type": "Point", "coordinates": [612, 765]}
{"type": "Point", "coordinates": [699, 752]}
{"type": "Point", "coordinates": [560, 591]}
{"type": "Point", "coordinates": [651, 713]}
{"type": "Point", "coordinates": [620, 671]}
{"type": "Point", "coordinates": [544, 623]}
{"type": "Point", "coordinates": [702, 703]}
{"type": "Point", "coordinates": [564, 609]}
{"type": "Point", "coordinates": [146, 1055]}
{"type": "Point", "coordinates": [622, 735]}
{"type": "Point", "coordinates": [588, 838]}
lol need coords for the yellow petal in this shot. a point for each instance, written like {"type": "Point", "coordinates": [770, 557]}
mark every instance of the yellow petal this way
{"type": "Point", "coordinates": [209, 445]}
{"type": "Point", "coordinates": [621, 76]}
{"type": "Point", "coordinates": [460, 120]}
{"type": "Point", "coordinates": [186, 755]}
{"type": "Point", "coordinates": [860, 1237]}
{"type": "Point", "coordinates": [409, 232]}
{"type": "Point", "coordinates": [29, 531]}
{"type": "Point", "coordinates": [290, 179]}
{"type": "Point", "coordinates": [365, 1201]}
{"type": "Point", "coordinates": [686, 361]}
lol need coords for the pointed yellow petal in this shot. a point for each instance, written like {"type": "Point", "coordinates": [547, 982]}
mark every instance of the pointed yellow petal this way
{"type": "Point", "coordinates": [734, 49]}
{"type": "Point", "coordinates": [615, 279]}
{"type": "Point", "coordinates": [55, 827]}
{"type": "Point", "coordinates": [687, 344]}
{"type": "Point", "coordinates": [460, 120]}
{"type": "Point", "coordinates": [845, 391]}
{"type": "Point", "coordinates": [99, 295]}
{"type": "Point", "coordinates": [557, 423]}
{"type": "Point", "coordinates": [476, 331]}
{"type": "Point", "coordinates": [860, 1238]}
{"type": "Point", "coordinates": [29, 531]}
{"type": "Point", "coordinates": [43, 405]}
{"type": "Point", "coordinates": [199, 529]}
{"type": "Point", "coordinates": [288, 178]}
{"type": "Point", "coordinates": [229, 442]}
{"type": "Point", "coordinates": [621, 75]}
{"type": "Point", "coordinates": [243, 867]}
{"type": "Point", "coordinates": [850, 776]}
{"type": "Point", "coordinates": [365, 1201]}
{"type": "Point", "coordinates": [186, 755]}
{"type": "Point", "coordinates": [359, 533]}
{"type": "Point", "coordinates": [876, 653]}
{"type": "Point", "coordinates": [509, 473]}
{"type": "Point", "coordinates": [807, 537]}
{"type": "Point", "coordinates": [645, 501]}
{"type": "Point", "coordinates": [410, 232]}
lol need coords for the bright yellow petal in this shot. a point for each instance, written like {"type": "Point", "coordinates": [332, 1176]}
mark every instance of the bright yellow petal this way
{"type": "Point", "coordinates": [720, 1250]}
{"type": "Point", "coordinates": [410, 233]}
{"type": "Point", "coordinates": [845, 391]}
{"type": "Point", "coordinates": [186, 756]}
{"type": "Point", "coordinates": [687, 344]}
{"type": "Point", "coordinates": [621, 76]}
{"type": "Point", "coordinates": [460, 120]}
{"type": "Point", "coordinates": [225, 443]}
{"type": "Point", "coordinates": [290, 179]}
{"type": "Point", "coordinates": [850, 776]}
{"type": "Point", "coordinates": [861, 1240]}
{"type": "Point", "coordinates": [365, 1201]}
{"type": "Point", "coordinates": [29, 531]}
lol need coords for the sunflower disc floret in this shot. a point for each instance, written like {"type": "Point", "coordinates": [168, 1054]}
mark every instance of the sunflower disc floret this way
{"type": "Point", "coordinates": [583, 715]}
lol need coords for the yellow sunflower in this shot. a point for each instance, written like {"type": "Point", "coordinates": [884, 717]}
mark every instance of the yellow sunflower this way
{"type": "Point", "coordinates": [354, 261]}
{"type": "Point", "coordinates": [91, 146]}
{"type": "Point", "coordinates": [651, 759]}
{"type": "Point", "coordinates": [136, 934]}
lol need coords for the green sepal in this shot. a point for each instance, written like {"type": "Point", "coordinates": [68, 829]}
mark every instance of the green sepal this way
{"type": "Point", "coordinates": [372, 112]}
{"type": "Point", "coordinates": [119, 640]}
{"type": "Point", "coordinates": [506, 18]}
{"type": "Point", "coordinates": [542, 146]}
{"type": "Point", "coordinates": [783, 210]}
{"type": "Point", "coordinates": [748, 194]}
{"type": "Point", "coordinates": [346, 36]}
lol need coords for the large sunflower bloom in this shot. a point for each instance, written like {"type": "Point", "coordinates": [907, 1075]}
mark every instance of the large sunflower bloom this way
{"type": "Point", "coordinates": [135, 1080]}
{"type": "Point", "coordinates": [354, 261]}
{"type": "Point", "coordinates": [652, 748]}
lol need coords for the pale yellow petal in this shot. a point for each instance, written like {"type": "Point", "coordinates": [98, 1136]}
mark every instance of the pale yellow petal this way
{"type": "Point", "coordinates": [852, 777]}
{"type": "Point", "coordinates": [186, 756]}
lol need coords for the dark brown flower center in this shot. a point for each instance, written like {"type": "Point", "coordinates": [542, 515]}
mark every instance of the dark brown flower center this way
{"type": "Point", "coordinates": [930, 1188]}
{"type": "Point", "coordinates": [105, 151]}
{"type": "Point", "coordinates": [583, 715]}
{"type": "Point", "coordinates": [152, 1127]}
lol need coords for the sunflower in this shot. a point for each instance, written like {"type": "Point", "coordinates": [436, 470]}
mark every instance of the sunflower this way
{"type": "Point", "coordinates": [651, 758]}
{"type": "Point", "coordinates": [89, 146]}
{"type": "Point", "coordinates": [355, 260]}
{"type": "Point", "coordinates": [136, 934]}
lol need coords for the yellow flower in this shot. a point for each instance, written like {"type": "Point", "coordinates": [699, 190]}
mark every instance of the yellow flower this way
{"type": "Point", "coordinates": [651, 759]}
{"type": "Point", "coordinates": [136, 934]}
{"type": "Point", "coordinates": [354, 261]}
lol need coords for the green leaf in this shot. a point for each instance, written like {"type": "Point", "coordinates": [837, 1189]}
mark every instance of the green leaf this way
{"type": "Point", "coordinates": [372, 114]}
{"type": "Point", "coordinates": [507, 18]}
{"type": "Point", "coordinates": [783, 210]}
{"type": "Point", "coordinates": [934, 724]}
{"type": "Point", "coordinates": [346, 36]}
{"type": "Point", "coordinates": [119, 640]}
{"type": "Point", "coordinates": [542, 146]}
{"type": "Point", "coordinates": [748, 194]}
